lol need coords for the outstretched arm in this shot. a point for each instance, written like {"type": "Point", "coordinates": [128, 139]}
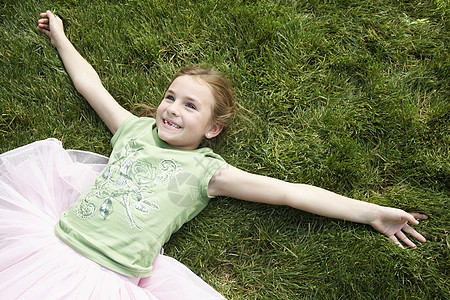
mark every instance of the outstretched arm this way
{"type": "Point", "coordinates": [230, 181]}
{"type": "Point", "coordinates": [84, 77]}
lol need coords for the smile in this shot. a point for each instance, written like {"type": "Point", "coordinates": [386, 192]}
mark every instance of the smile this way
{"type": "Point", "coordinates": [170, 124]}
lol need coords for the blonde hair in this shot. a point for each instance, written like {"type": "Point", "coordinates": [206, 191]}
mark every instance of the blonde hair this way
{"type": "Point", "coordinates": [224, 103]}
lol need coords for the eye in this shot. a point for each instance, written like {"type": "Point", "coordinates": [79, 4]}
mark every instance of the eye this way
{"type": "Point", "coordinates": [170, 97]}
{"type": "Point", "coordinates": [191, 106]}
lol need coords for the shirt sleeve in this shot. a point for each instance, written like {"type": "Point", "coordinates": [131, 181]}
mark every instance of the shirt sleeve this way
{"type": "Point", "coordinates": [122, 128]}
{"type": "Point", "coordinates": [213, 162]}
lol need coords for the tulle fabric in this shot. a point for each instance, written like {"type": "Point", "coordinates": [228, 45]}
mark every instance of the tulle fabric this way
{"type": "Point", "coordinates": [37, 183]}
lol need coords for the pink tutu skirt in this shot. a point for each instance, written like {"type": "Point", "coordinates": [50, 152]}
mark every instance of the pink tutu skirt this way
{"type": "Point", "coordinates": [37, 183]}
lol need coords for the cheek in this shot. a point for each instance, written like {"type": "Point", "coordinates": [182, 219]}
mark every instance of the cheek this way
{"type": "Point", "coordinates": [159, 110]}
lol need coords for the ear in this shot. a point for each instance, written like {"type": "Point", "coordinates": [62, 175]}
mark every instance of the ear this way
{"type": "Point", "coordinates": [214, 131]}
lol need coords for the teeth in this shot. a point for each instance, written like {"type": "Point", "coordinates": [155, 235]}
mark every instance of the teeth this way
{"type": "Point", "coordinates": [171, 124]}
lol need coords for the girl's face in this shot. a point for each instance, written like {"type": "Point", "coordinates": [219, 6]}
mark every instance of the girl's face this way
{"type": "Point", "coordinates": [184, 116]}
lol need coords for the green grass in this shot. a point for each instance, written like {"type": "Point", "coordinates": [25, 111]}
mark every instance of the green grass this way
{"type": "Point", "coordinates": [352, 96]}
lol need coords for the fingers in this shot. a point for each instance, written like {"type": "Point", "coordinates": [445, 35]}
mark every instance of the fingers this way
{"type": "Point", "coordinates": [410, 218]}
{"type": "Point", "coordinates": [44, 23]}
{"type": "Point", "coordinates": [403, 238]}
{"type": "Point", "coordinates": [399, 237]}
{"type": "Point", "coordinates": [50, 16]}
{"type": "Point", "coordinates": [408, 229]}
{"type": "Point", "coordinates": [395, 240]}
{"type": "Point", "coordinates": [419, 216]}
{"type": "Point", "coordinates": [44, 29]}
{"type": "Point", "coordinates": [46, 17]}
{"type": "Point", "coordinates": [43, 26]}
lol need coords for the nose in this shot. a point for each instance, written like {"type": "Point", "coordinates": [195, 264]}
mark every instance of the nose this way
{"type": "Point", "coordinates": [173, 109]}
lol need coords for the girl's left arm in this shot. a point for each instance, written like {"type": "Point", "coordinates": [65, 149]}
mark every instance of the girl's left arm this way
{"type": "Point", "coordinates": [232, 182]}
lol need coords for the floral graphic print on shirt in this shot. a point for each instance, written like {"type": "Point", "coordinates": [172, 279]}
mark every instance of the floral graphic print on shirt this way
{"type": "Point", "coordinates": [125, 187]}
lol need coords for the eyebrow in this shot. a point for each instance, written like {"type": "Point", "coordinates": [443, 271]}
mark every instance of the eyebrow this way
{"type": "Point", "coordinates": [187, 98]}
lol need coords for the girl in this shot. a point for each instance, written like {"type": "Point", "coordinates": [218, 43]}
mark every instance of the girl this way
{"type": "Point", "coordinates": [157, 178]}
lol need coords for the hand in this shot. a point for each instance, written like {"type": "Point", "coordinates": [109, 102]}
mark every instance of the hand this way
{"type": "Point", "coordinates": [393, 223]}
{"type": "Point", "coordinates": [52, 26]}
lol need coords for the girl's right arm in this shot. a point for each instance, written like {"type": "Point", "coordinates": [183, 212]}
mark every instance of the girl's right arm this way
{"type": "Point", "coordinates": [84, 77]}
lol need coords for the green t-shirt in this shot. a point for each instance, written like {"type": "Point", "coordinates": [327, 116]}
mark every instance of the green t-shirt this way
{"type": "Point", "coordinates": [147, 191]}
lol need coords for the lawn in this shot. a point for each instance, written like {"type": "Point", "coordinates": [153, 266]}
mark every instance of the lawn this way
{"type": "Point", "coordinates": [352, 96]}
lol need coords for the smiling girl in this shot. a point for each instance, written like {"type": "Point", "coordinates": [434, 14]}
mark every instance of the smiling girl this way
{"type": "Point", "coordinates": [112, 220]}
